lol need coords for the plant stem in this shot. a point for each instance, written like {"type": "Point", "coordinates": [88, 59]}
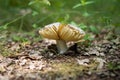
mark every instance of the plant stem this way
{"type": "Point", "coordinates": [61, 45]}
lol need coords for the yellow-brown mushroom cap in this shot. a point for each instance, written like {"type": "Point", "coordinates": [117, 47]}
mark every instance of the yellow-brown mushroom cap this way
{"type": "Point", "coordinates": [58, 31]}
{"type": "Point", "coordinates": [50, 31]}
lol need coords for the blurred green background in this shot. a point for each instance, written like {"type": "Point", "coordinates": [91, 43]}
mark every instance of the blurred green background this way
{"type": "Point", "coordinates": [28, 15]}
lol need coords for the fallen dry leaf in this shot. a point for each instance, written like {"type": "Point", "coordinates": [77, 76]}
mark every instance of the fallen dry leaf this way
{"type": "Point", "coordinates": [100, 61]}
{"type": "Point", "coordinates": [1, 57]}
{"type": "Point", "coordinates": [83, 62]}
{"type": "Point", "coordinates": [2, 68]}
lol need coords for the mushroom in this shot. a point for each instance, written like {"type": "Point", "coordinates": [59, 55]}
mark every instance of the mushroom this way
{"type": "Point", "coordinates": [62, 33]}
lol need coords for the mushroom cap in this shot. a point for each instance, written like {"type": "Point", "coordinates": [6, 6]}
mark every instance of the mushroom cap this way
{"type": "Point", "coordinates": [66, 32]}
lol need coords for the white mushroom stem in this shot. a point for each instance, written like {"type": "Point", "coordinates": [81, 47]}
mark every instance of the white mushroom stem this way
{"type": "Point", "coordinates": [61, 45]}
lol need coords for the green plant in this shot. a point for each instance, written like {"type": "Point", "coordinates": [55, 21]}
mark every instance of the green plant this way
{"type": "Point", "coordinates": [19, 38]}
{"type": "Point", "coordinates": [83, 3]}
{"type": "Point", "coordinates": [42, 12]}
{"type": "Point", "coordinates": [94, 29]}
{"type": "Point", "coordinates": [5, 26]}
{"type": "Point", "coordinates": [113, 66]}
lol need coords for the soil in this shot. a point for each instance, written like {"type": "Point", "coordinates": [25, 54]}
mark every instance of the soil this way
{"type": "Point", "coordinates": [39, 60]}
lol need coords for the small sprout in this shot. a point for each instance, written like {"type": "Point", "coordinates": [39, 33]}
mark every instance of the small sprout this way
{"type": "Point", "coordinates": [62, 33]}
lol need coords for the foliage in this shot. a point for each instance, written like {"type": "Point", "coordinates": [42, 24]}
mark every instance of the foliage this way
{"type": "Point", "coordinates": [83, 3]}
{"type": "Point", "coordinates": [5, 52]}
{"type": "Point", "coordinates": [32, 14]}
{"type": "Point", "coordinates": [113, 66]}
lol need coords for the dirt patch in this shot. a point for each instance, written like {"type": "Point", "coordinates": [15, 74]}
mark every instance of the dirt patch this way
{"type": "Point", "coordinates": [40, 61]}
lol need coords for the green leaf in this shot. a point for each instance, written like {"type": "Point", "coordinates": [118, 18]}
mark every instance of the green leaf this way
{"type": "Point", "coordinates": [77, 5]}
{"type": "Point", "coordinates": [88, 37]}
{"type": "Point", "coordinates": [16, 38]}
{"type": "Point", "coordinates": [88, 2]}
{"type": "Point", "coordinates": [39, 2]}
{"type": "Point", "coordinates": [19, 38]}
{"type": "Point", "coordinates": [83, 3]}
{"type": "Point", "coordinates": [113, 66]}
{"type": "Point", "coordinates": [3, 27]}
{"type": "Point", "coordinates": [94, 29]}
{"type": "Point", "coordinates": [86, 14]}
{"type": "Point", "coordinates": [66, 18]}
{"type": "Point", "coordinates": [73, 23]}
{"type": "Point", "coordinates": [31, 2]}
{"type": "Point", "coordinates": [83, 26]}
{"type": "Point", "coordinates": [34, 26]}
{"type": "Point", "coordinates": [34, 13]}
{"type": "Point", "coordinates": [46, 2]}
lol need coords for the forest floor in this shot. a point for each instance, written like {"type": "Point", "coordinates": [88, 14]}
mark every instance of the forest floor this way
{"type": "Point", "coordinates": [38, 60]}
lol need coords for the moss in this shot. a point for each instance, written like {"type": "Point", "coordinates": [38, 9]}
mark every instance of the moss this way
{"type": "Point", "coordinates": [69, 69]}
{"type": "Point", "coordinates": [5, 51]}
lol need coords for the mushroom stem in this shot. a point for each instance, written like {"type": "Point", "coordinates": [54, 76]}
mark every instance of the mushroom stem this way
{"type": "Point", "coordinates": [61, 45]}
